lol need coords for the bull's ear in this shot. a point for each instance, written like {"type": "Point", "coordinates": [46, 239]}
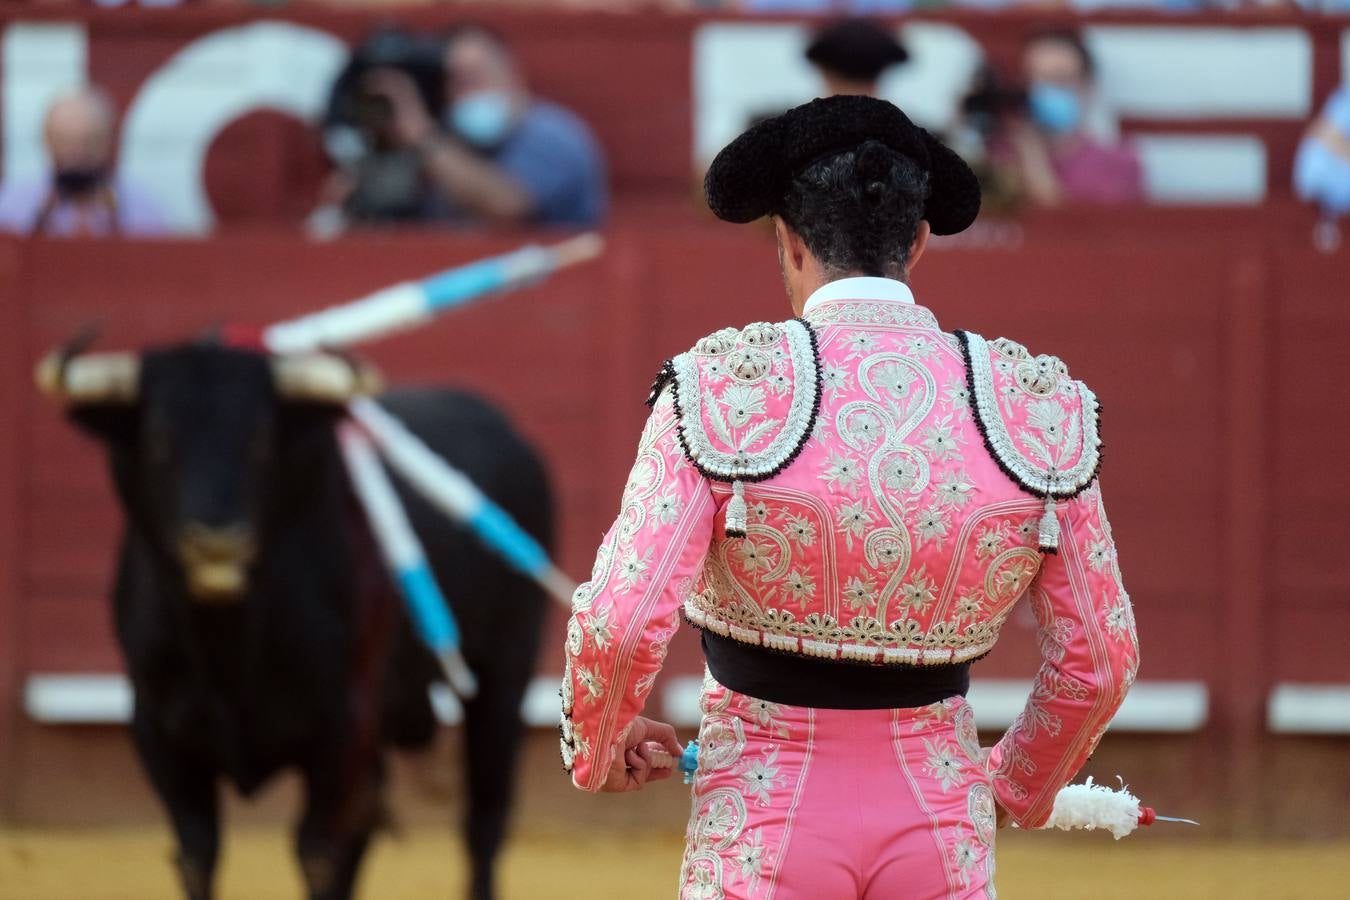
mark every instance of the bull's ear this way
{"type": "Point", "coordinates": [113, 423]}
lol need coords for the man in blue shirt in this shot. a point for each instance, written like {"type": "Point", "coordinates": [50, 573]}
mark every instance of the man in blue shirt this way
{"type": "Point", "coordinates": [499, 155]}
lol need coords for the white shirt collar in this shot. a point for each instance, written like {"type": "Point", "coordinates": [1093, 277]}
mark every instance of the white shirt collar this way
{"type": "Point", "coordinates": [860, 288]}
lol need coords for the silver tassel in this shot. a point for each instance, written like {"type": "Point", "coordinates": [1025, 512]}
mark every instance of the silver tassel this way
{"type": "Point", "coordinates": [736, 511]}
{"type": "Point", "coordinates": [1049, 530]}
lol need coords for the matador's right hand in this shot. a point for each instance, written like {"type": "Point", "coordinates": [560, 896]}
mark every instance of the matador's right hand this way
{"type": "Point", "coordinates": [632, 768]}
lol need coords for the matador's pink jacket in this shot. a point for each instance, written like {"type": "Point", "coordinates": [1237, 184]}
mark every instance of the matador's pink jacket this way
{"type": "Point", "coordinates": [860, 485]}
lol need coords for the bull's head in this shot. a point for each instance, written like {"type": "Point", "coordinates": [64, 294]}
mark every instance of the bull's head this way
{"type": "Point", "coordinates": [201, 436]}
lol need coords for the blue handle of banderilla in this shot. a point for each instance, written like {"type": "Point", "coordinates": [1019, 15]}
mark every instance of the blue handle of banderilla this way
{"type": "Point", "coordinates": [689, 761]}
{"type": "Point", "coordinates": [431, 615]}
{"type": "Point", "coordinates": [495, 528]}
{"type": "Point", "coordinates": [521, 267]}
{"type": "Point", "coordinates": [456, 287]}
{"type": "Point", "coordinates": [411, 304]}
{"type": "Point", "coordinates": [455, 494]}
{"type": "Point", "coordinates": [428, 608]}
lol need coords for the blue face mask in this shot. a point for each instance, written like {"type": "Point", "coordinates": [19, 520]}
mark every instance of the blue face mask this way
{"type": "Point", "coordinates": [1054, 107]}
{"type": "Point", "coordinates": [482, 118]}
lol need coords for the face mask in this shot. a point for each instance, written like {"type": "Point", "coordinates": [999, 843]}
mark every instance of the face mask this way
{"type": "Point", "coordinates": [482, 118]}
{"type": "Point", "coordinates": [77, 182]}
{"type": "Point", "coordinates": [1053, 107]}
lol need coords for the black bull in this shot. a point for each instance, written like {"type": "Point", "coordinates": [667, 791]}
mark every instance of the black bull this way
{"type": "Point", "coordinates": [259, 627]}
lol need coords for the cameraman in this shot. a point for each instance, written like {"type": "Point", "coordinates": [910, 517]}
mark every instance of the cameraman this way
{"type": "Point", "coordinates": [499, 155]}
{"type": "Point", "coordinates": [1052, 143]}
{"type": "Point", "coordinates": [378, 178]}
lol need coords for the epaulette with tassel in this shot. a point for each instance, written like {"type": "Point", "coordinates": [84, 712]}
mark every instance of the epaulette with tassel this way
{"type": "Point", "coordinates": [731, 427]}
{"type": "Point", "coordinates": [1039, 425]}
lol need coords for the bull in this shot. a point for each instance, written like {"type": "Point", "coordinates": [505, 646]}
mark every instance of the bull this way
{"type": "Point", "coordinates": [258, 627]}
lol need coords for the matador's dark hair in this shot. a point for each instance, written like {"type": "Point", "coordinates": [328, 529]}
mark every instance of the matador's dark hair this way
{"type": "Point", "coordinates": [858, 211]}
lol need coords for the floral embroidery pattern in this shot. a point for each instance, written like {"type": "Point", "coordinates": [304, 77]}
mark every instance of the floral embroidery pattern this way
{"type": "Point", "coordinates": [761, 777]}
{"type": "Point", "coordinates": [720, 849]}
{"type": "Point", "coordinates": [966, 853]}
{"type": "Point", "coordinates": [943, 764]}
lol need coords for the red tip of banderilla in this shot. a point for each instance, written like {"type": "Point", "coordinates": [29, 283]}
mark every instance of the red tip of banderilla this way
{"type": "Point", "coordinates": [242, 337]}
{"type": "Point", "coordinates": [1147, 815]}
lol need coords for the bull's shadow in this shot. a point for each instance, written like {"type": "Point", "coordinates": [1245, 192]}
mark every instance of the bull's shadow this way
{"type": "Point", "coordinates": [261, 630]}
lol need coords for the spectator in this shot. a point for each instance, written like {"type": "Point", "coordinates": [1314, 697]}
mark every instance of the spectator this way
{"type": "Point", "coordinates": [1054, 150]}
{"type": "Point", "coordinates": [380, 178]}
{"type": "Point", "coordinates": [1322, 166]}
{"type": "Point", "coordinates": [499, 155]}
{"type": "Point", "coordinates": [851, 54]}
{"type": "Point", "coordinates": [81, 196]}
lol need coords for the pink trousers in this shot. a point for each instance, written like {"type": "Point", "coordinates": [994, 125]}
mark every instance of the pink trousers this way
{"type": "Point", "coordinates": [793, 803]}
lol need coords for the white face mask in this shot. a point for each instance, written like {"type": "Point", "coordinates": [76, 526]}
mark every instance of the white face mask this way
{"type": "Point", "coordinates": [482, 118]}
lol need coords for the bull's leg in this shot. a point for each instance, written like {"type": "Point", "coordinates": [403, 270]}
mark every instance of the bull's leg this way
{"type": "Point", "coordinates": [341, 812]}
{"type": "Point", "coordinates": [492, 735]}
{"type": "Point", "coordinates": [189, 793]}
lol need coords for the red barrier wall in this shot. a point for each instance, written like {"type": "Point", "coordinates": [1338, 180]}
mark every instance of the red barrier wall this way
{"type": "Point", "coordinates": [1220, 367]}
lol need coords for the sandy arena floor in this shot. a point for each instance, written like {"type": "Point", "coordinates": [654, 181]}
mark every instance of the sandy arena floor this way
{"type": "Point", "coordinates": [131, 864]}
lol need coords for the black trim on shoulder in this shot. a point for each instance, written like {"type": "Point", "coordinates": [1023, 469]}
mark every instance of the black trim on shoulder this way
{"type": "Point", "coordinates": [964, 338]}
{"type": "Point", "coordinates": [663, 378]}
{"type": "Point", "coordinates": [672, 377]}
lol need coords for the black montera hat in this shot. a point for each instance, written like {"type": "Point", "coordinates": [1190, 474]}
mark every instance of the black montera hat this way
{"type": "Point", "coordinates": [856, 48]}
{"type": "Point", "coordinates": [751, 175]}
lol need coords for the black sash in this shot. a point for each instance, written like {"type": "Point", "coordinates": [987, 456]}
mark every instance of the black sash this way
{"type": "Point", "coordinates": [798, 680]}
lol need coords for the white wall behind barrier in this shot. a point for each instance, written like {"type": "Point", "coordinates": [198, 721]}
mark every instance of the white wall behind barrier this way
{"type": "Point", "coordinates": [208, 84]}
{"type": "Point", "coordinates": [743, 70]}
{"type": "Point", "coordinates": [1185, 168]}
{"type": "Point", "coordinates": [1159, 72]}
{"type": "Point", "coordinates": [38, 63]}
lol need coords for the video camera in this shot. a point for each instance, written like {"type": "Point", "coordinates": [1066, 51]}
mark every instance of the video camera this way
{"type": "Point", "coordinates": [388, 186]}
{"type": "Point", "coordinates": [354, 112]}
{"type": "Point", "coordinates": [990, 99]}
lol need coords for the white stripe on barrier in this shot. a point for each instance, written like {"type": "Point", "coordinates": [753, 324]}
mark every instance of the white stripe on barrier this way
{"type": "Point", "coordinates": [1309, 709]}
{"type": "Point", "coordinates": [1151, 706]}
{"type": "Point", "coordinates": [77, 699]}
{"type": "Point", "coordinates": [106, 699]}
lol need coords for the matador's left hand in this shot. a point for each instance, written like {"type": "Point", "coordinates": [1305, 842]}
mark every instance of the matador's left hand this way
{"type": "Point", "coordinates": [632, 769]}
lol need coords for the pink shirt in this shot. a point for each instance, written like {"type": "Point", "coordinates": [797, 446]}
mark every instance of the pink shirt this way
{"type": "Point", "coordinates": [1090, 172]}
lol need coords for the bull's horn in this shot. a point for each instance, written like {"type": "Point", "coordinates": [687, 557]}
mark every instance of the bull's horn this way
{"type": "Point", "coordinates": [91, 378]}
{"type": "Point", "coordinates": [323, 378]}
